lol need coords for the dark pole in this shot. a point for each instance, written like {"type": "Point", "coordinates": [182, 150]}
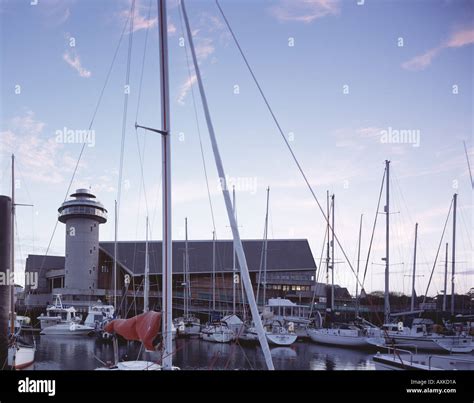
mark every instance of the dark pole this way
{"type": "Point", "coordinates": [5, 264]}
{"type": "Point", "coordinates": [453, 253]}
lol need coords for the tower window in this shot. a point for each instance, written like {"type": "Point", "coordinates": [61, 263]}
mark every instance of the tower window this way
{"type": "Point", "coordinates": [90, 250]}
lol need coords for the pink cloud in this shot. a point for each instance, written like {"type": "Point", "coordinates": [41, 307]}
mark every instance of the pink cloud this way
{"type": "Point", "coordinates": [456, 40]}
{"type": "Point", "coordinates": [422, 61]}
{"type": "Point", "coordinates": [461, 38]}
{"type": "Point", "coordinates": [304, 11]}
{"type": "Point", "coordinates": [74, 61]}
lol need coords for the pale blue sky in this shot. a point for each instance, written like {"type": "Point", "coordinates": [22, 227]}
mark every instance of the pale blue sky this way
{"type": "Point", "coordinates": [336, 136]}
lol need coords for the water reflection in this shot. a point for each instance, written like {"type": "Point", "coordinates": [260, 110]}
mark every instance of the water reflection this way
{"type": "Point", "coordinates": [84, 353]}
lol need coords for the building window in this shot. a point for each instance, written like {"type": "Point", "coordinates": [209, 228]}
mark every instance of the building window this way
{"type": "Point", "coordinates": [90, 250]}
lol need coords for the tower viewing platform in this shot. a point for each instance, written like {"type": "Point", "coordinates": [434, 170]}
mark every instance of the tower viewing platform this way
{"type": "Point", "coordinates": [83, 206]}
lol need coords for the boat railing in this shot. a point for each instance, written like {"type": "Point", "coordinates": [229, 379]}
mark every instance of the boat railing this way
{"type": "Point", "coordinates": [449, 357]}
{"type": "Point", "coordinates": [397, 350]}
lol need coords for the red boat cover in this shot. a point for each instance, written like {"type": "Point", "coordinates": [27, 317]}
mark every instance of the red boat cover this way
{"type": "Point", "coordinates": [144, 328]}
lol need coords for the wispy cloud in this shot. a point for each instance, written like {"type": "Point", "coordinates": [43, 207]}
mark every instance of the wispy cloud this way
{"type": "Point", "coordinates": [144, 17]}
{"type": "Point", "coordinates": [185, 88]}
{"type": "Point", "coordinates": [458, 39]}
{"type": "Point", "coordinates": [209, 30]}
{"type": "Point", "coordinates": [304, 11]}
{"type": "Point", "coordinates": [42, 159]}
{"type": "Point", "coordinates": [72, 58]}
{"type": "Point", "coordinates": [356, 138]}
{"type": "Point", "coordinates": [55, 12]}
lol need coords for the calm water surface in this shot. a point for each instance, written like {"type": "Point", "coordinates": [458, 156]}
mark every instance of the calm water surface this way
{"type": "Point", "coordinates": [86, 353]}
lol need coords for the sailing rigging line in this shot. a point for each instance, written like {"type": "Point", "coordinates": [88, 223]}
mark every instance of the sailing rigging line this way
{"type": "Point", "coordinates": [317, 275]}
{"type": "Point", "coordinates": [373, 230]}
{"type": "Point", "coordinates": [141, 153]}
{"type": "Point", "coordinates": [96, 109]}
{"type": "Point", "coordinates": [420, 248]}
{"type": "Point", "coordinates": [468, 164]}
{"type": "Point", "coordinates": [228, 204]}
{"type": "Point", "coordinates": [283, 135]}
{"type": "Point", "coordinates": [437, 252]}
{"type": "Point", "coordinates": [125, 108]}
{"type": "Point", "coordinates": [197, 123]}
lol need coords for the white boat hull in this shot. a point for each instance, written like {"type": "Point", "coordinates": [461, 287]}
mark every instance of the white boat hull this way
{"type": "Point", "coordinates": [133, 366]}
{"type": "Point", "coordinates": [324, 336]}
{"type": "Point", "coordinates": [445, 344]}
{"type": "Point", "coordinates": [281, 339]}
{"type": "Point", "coordinates": [420, 362]}
{"type": "Point", "coordinates": [21, 357]}
{"type": "Point", "coordinates": [65, 329]}
{"type": "Point", "coordinates": [218, 336]}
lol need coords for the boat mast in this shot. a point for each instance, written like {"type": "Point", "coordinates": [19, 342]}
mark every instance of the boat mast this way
{"type": "Point", "coordinates": [214, 271]}
{"type": "Point", "coordinates": [115, 254]}
{"type": "Point", "coordinates": [167, 303]}
{"type": "Point", "coordinates": [332, 254]}
{"type": "Point", "coordinates": [445, 278]}
{"type": "Point", "coordinates": [12, 275]}
{"type": "Point", "coordinates": [358, 265]}
{"type": "Point", "coordinates": [265, 249]}
{"type": "Point", "coordinates": [328, 246]}
{"type": "Point", "coordinates": [387, 243]}
{"type": "Point", "coordinates": [228, 203]}
{"type": "Point", "coordinates": [414, 271]}
{"type": "Point", "coordinates": [146, 294]}
{"type": "Point", "coordinates": [453, 252]}
{"type": "Point", "coordinates": [185, 270]}
{"type": "Point", "coordinates": [233, 256]}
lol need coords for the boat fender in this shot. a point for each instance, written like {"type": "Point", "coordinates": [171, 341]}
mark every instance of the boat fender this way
{"type": "Point", "coordinates": [291, 327]}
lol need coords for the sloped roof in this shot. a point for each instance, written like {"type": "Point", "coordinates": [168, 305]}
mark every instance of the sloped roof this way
{"type": "Point", "coordinates": [283, 255]}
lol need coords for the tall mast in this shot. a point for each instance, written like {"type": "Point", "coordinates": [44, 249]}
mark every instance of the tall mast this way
{"type": "Point", "coordinates": [453, 252]}
{"type": "Point", "coordinates": [445, 278]}
{"type": "Point", "coordinates": [146, 294]}
{"type": "Point", "coordinates": [387, 243]}
{"type": "Point", "coordinates": [233, 255]}
{"type": "Point", "coordinates": [328, 251]}
{"type": "Point", "coordinates": [167, 303]}
{"type": "Point", "coordinates": [265, 249]}
{"type": "Point", "coordinates": [244, 270]}
{"type": "Point", "coordinates": [214, 271]}
{"type": "Point", "coordinates": [414, 271]}
{"type": "Point", "coordinates": [185, 269]}
{"type": "Point", "coordinates": [115, 254]}
{"type": "Point", "coordinates": [332, 254]}
{"type": "Point", "coordinates": [358, 265]}
{"type": "Point", "coordinates": [12, 276]}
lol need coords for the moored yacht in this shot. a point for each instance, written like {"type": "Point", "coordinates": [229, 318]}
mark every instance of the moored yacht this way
{"type": "Point", "coordinates": [187, 326]}
{"type": "Point", "coordinates": [57, 313]}
{"type": "Point", "coordinates": [289, 314]}
{"type": "Point", "coordinates": [279, 335]}
{"type": "Point", "coordinates": [218, 332]}
{"type": "Point", "coordinates": [422, 336]}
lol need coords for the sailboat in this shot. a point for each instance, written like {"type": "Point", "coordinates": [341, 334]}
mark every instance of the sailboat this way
{"type": "Point", "coordinates": [339, 334]}
{"type": "Point", "coordinates": [187, 325]}
{"type": "Point", "coordinates": [20, 354]}
{"type": "Point", "coordinates": [230, 327]}
{"type": "Point", "coordinates": [278, 332]}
